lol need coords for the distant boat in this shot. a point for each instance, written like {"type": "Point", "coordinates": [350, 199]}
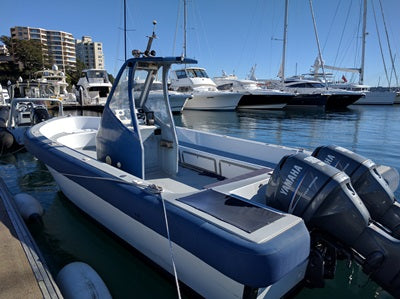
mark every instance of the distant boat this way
{"type": "Point", "coordinates": [177, 100]}
{"type": "Point", "coordinates": [253, 96]}
{"type": "Point", "coordinates": [20, 115]}
{"type": "Point", "coordinates": [314, 93]}
{"type": "Point", "coordinates": [205, 95]}
{"type": "Point", "coordinates": [4, 96]}
{"type": "Point", "coordinates": [309, 93]}
{"type": "Point", "coordinates": [46, 83]}
{"type": "Point", "coordinates": [373, 95]}
{"type": "Point", "coordinates": [93, 87]}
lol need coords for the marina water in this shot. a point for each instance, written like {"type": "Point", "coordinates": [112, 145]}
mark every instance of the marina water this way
{"type": "Point", "coordinates": [67, 235]}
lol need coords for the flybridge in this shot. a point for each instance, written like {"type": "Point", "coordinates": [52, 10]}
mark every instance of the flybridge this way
{"type": "Point", "coordinates": [291, 178]}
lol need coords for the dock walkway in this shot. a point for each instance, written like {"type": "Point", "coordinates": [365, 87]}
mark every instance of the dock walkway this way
{"type": "Point", "coordinates": [23, 273]}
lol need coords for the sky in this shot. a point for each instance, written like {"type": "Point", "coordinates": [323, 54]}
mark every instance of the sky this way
{"type": "Point", "coordinates": [227, 35]}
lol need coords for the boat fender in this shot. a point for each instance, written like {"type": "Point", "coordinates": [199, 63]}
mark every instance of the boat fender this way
{"type": "Point", "coordinates": [28, 206]}
{"type": "Point", "coordinates": [4, 112]}
{"type": "Point", "coordinates": [78, 280]}
{"type": "Point", "coordinates": [6, 141]}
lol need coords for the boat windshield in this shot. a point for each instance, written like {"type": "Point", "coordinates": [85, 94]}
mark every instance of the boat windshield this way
{"type": "Point", "coordinates": [97, 74]}
{"type": "Point", "coordinates": [155, 104]}
{"type": "Point", "coordinates": [196, 73]}
{"type": "Point", "coordinates": [119, 103]}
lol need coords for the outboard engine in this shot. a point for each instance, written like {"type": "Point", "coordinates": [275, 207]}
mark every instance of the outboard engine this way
{"type": "Point", "coordinates": [324, 197]}
{"type": "Point", "coordinates": [367, 182]}
{"type": "Point", "coordinates": [39, 114]}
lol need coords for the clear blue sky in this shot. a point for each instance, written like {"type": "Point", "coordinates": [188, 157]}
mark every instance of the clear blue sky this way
{"type": "Point", "coordinates": [230, 35]}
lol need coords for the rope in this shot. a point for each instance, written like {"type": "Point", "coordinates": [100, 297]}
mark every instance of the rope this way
{"type": "Point", "coordinates": [170, 250]}
{"type": "Point", "coordinates": [153, 189]}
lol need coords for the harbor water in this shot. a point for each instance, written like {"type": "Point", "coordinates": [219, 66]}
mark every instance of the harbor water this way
{"type": "Point", "coordinates": [67, 235]}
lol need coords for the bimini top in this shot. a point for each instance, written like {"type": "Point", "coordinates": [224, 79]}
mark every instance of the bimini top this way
{"type": "Point", "coordinates": [162, 60]}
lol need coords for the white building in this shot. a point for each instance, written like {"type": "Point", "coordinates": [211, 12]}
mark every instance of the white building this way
{"type": "Point", "coordinates": [90, 52]}
{"type": "Point", "coordinates": [58, 47]}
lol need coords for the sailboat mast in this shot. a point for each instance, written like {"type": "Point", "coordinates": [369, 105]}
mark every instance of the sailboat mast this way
{"type": "Point", "coordinates": [282, 70]}
{"type": "Point", "coordinates": [319, 48]}
{"type": "Point", "coordinates": [125, 29]}
{"type": "Point", "coordinates": [388, 42]}
{"type": "Point", "coordinates": [364, 34]}
{"type": "Point", "coordinates": [184, 27]}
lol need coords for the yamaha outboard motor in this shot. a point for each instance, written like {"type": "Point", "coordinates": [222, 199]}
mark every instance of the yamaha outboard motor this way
{"type": "Point", "coordinates": [367, 182]}
{"type": "Point", "coordinates": [324, 197]}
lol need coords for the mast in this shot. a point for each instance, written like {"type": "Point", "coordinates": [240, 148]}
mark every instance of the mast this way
{"type": "Point", "coordinates": [125, 29]}
{"type": "Point", "coordinates": [388, 42]}
{"type": "Point", "coordinates": [282, 70]}
{"type": "Point", "coordinates": [364, 34]}
{"type": "Point", "coordinates": [184, 27]}
{"type": "Point", "coordinates": [319, 48]}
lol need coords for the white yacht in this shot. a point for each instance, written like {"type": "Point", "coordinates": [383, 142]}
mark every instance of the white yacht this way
{"type": "Point", "coordinates": [4, 97]}
{"type": "Point", "coordinates": [93, 87]}
{"type": "Point", "coordinates": [253, 96]}
{"type": "Point", "coordinates": [373, 96]}
{"type": "Point", "coordinates": [50, 83]}
{"type": "Point", "coordinates": [177, 100]}
{"type": "Point", "coordinates": [205, 94]}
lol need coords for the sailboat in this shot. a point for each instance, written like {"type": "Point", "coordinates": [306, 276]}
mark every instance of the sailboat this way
{"type": "Point", "coordinates": [310, 92]}
{"type": "Point", "coordinates": [373, 96]}
{"type": "Point", "coordinates": [204, 92]}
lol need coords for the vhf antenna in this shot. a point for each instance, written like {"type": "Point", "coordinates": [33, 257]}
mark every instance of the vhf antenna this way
{"type": "Point", "coordinates": [148, 52]}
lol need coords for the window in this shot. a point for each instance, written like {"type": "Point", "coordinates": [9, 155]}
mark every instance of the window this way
{"type": "Point", "coordinates": [181, 74]}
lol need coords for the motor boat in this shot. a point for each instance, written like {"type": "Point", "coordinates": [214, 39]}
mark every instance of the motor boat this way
{"type": "Point", "coordinates": [177, 100]}
{"type": "Point", "coordinates": [253, 96]}
{"type": "Point", "coordinates": [47, 83]}
{"type": "Point", "coordinates": [373, 96]}
{"type": "Point", "coordinates": [93, 87]}
{"type": "Point", "coordinates": [313, 93]}
{"type": "Point", "coordinates": [229, 218]}
{"type": "Point", "coordinates": [4, 96]}
{"type": "Point", "coordinates": [205, 95]}
{"type": "Point", "coordinates": [21, 115]}
{"type": "Point", "coordinates": [240, 245]}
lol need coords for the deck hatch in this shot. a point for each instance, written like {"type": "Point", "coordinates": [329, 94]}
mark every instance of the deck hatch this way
{"type": "Point", "coordinates": [239, 213]}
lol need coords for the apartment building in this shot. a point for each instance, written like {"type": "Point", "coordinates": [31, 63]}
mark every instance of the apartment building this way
{"type": "Point", "coordinates": [58, 47]}
{"type": "Point", "coordinates": [90, 52]}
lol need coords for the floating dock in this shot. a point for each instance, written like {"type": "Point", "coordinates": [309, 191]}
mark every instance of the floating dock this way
{"type": "Point", "coordinates": [23, 272]}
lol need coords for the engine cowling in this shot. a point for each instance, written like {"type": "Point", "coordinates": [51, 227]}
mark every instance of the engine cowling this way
{"type": "Point", "coordinates": [325, 198]}
{"type": "Point", "coordinates": [367, 182]}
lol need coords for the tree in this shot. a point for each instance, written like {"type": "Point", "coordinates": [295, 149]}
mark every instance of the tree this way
{"type": "Point", "coordinates": [8, 69]}
{"type": "Point", "coordinates": [29, 53]}
{"type": "Point", "coordinates": [73, 75]}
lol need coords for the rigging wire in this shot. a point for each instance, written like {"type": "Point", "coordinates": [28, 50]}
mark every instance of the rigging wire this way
{"type": "Point", "coordinates": [331, 26]}
{"type": "Point", "coordinates": [380, 44]}
{"type": "Point", "coordinates": [388, 42]}
{"type": "Point", "coordinates": [176, 27]}
{"type": "Point", "coordinates": [342, 35]}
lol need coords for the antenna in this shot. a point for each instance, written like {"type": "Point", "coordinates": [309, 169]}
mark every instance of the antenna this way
{"type": "Point", "coordinates": [148, 52]}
